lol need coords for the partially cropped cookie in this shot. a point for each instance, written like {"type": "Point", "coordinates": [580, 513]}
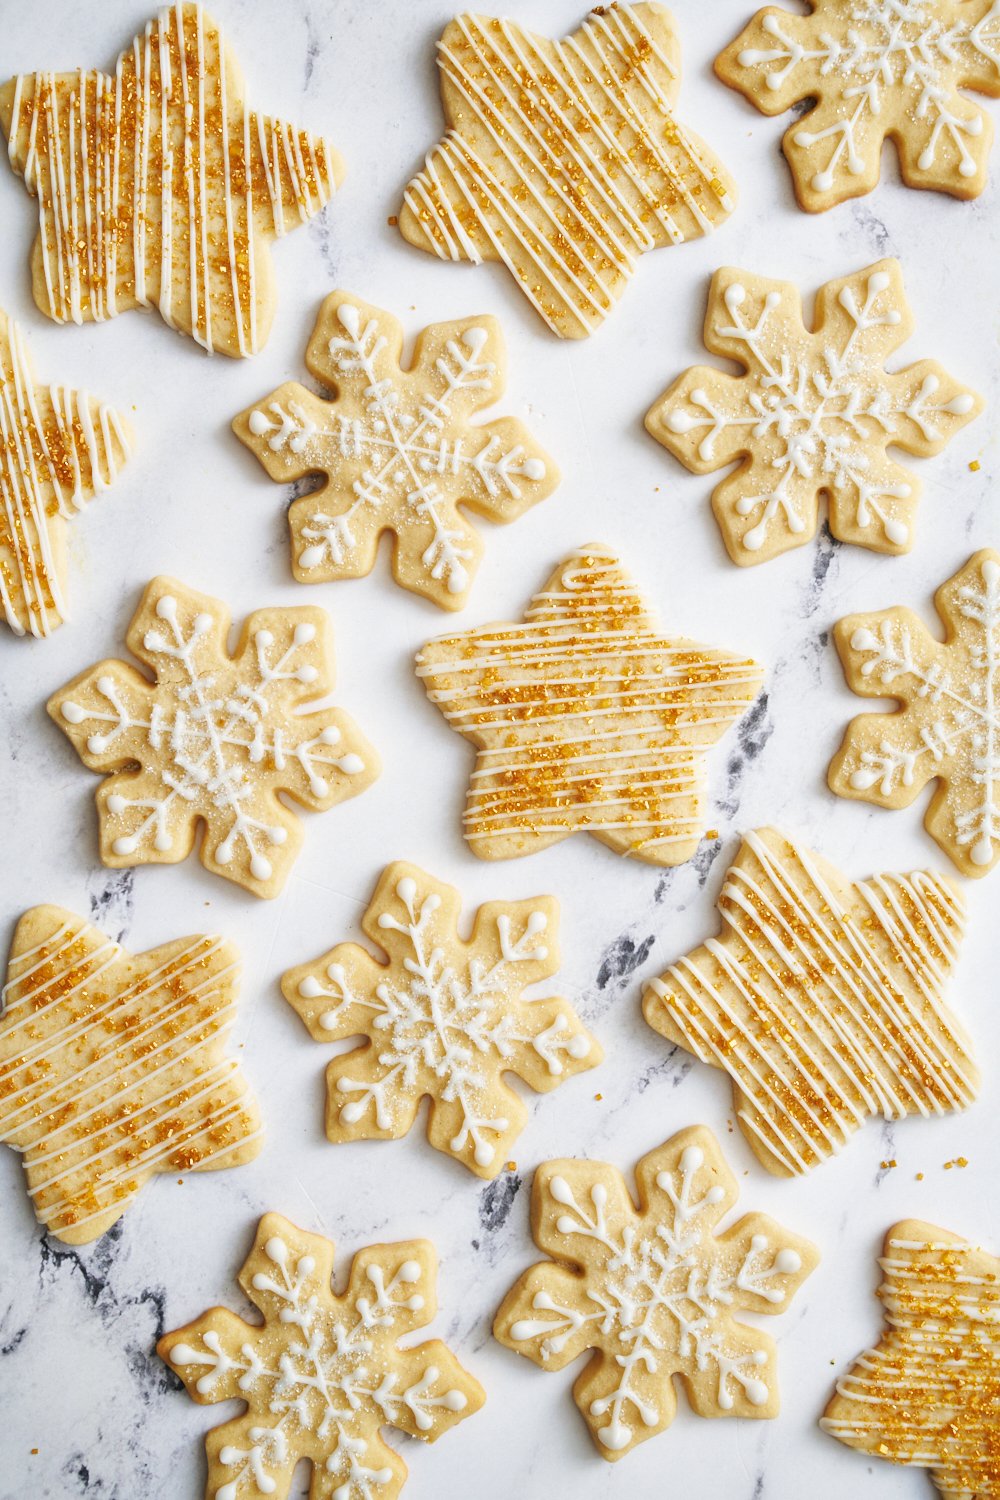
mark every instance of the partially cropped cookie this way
{"type": "Point", "coordinates": [158, 187]}
{"type": "Point", "coordinates": [214, 739]}
{"type": "Point", "coordinates": [58, 448]}
{"type": "Point", "coordinates": [587, 718]}
{"type": "Point", "coordinates": [323, 1374]}
{"type": "Point", "coordinates": [564, 159]}
{"type": "Point", "coordinates": [929, 1393]}
{"type": "Point", "coordinates": [398, 449]}
{"type": "Point", "coordinates": [823, 1000]}
{"type": "Point", "coordinates": [814, 412]}
{"type": "Point", "coordinates": [947, 726]}
{"type": "Point", "coordinates": [112, 1067]}
{"type": "Point", "coordinates": [443, 1018]}
{"type": "Point", "coordinates": [653, 1290]}
{"type": "Point", "coordinates": [874, 70]}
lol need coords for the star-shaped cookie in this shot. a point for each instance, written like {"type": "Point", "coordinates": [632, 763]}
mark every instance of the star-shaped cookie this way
{"type": "Point", "coordinates": [587, 718]}
{"type": "Point", "coordinates": [564, 159]}
{"type": "Point", "coordinates": [112, 1069]}
{"type": "Point", "coordinates": [58, 448]}
{"type": "Point", "coordinates": [157, 186]}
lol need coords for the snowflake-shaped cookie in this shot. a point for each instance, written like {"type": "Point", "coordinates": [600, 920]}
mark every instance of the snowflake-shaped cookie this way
{"type": "Point", "coordinates": [157, 187]}
{"type": "Point", "coordinates": [947, 727]}
{"type": "Point", "coordinates": [929, 1394]}
{"type": "Point", "coordinates": [653, 1290]}
{"type": "Point", "coordinates": [397, 449]}
{"type": "Point", "coordinates": [112, 1068]}
{"type": "Point", "coordinates": [587, 718]}
{"type": "Point", "coordinates": [58, 448]}
{"type": "Point", "coordinates": [323, 1373]}
{"type": "Point", "coordinates": [874, 69]}
{"type": "Point", "coordinates": [564, 159]}
{"type": "Point", "coordinates": [215, 738]}
{"type": "Point", "coordinates": [815, 412]}
{"type": "Point", "coordinates": [444, 1018]}
{"type": "Point", "coordinates": [822, 1000]}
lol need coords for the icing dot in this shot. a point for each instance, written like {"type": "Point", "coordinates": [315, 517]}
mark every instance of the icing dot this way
{"type": "Point", "coordinates": [757, 1392]}
{"type": "Point", "coordinates": [692, 1157]}
{"type": "Point", "coordinates": [483, 1153]}
{"type": "Point", "coordinates": [304, 634]}
{"type": "Point", "coordinates": [578, 1046]}
{"type": "Point", "coordinates": [166, 607]}
{"type": "Point", "coordinates": [125, 845]}
{"type": "Point", "coordinates": [715, 1194]}
{"type": "Point", "coordinates": [533, 468]}
{"type": "Point", "coordinates": [310, 987]}
{"type": "Point", "coordinates": [307, 673]}
{"type": "Point", "coordinates": [106, 685]}
{"type": "Point", "coordinates": [72, 712]}
{"type": "Point", "coordinates": [163, 840]}
{"type": "Point", "coordinates": [560, 1190]}
{"type": "Point", "coordinates": [330, 735]}
{"type": "Point", "coordinates": [307, 1265]}
{"type": "Point", "coordinates": [115, 804]}
{"type": "Point", "coordinates": [680, 421]}
{"type": "Point", "coordinates": [276, 834]}
{"type": "Point", "coordinates": [202, 624]}
{"type": "Point", "coordinates": [897, 532]}
{"type": "Point", "coordinates": [311, 557]}
{"type": "Point", "coordinates": [787, 1261]}
{"type": "Point", "coordinates": [960, 406]}
{"type": "Point", "coordinates": [982, 850]}
{"type": "Point", "coordinates": [406, 890]}
{"type": "Point", "coordinates": [264, 638]}
{"type": "Point", "coordinates": [351, 765]}
{"type": "Point", "coordinates": [275, 1249]}
{"type": "Point", "coordinates": [862, 779]}
{"type": "Point", "coordinates": [258, 423]}
{"type": "Point", "coordinates": [409, 1271]}
{"type": "Point", "coordinates": [351, 1113]}
{"type": "Point", "coordinates": [260, 868]}
{"type": "Point", "coordinates": [823, 181]}
{"type": "Point", "coordinates": [455, 1401]}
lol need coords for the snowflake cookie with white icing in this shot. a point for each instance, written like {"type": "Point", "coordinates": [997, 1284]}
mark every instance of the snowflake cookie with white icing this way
{"type": "Point", "coordinates": [444, 1018]}
{"type": "Point", "coordinates": [397, 449]}
{"type": "Point", "coordinates": [564, 159]}
{"type": "Point", "coordinates": [112, 1068]}
{"type": "Point", "coordinates": [814, 413]}
{"type": "Point", "coordinates": [653, 1290]}
{"type": "Point", "coordinates": [822, 1000]}
{"type": "Point", "coordinates": [874, 70]}
{"type": "Point", "coordinates": [58, 448]}
{"type": "Point", "coordinates": [158, 187]}
{"type": "Point", "coordinates": [587, 718]}
{"type": "Point", "coordinates": [929, 1393]}
{"type": "Point", "coordinates": [214, 738]}
{"type": "Point", "coordinates": [322, 1375]}
{"type": "Point", "coordinates": [947, 725]}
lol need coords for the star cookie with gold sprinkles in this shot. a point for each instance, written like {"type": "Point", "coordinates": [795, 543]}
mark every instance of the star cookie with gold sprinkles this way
{"type": "Point", "coordinates": [587, 718]}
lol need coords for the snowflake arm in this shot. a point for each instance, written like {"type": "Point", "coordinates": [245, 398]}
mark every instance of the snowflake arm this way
{"type": "Point", "coordinates": [652, 1290]}
{"type": "Point", "coordinates": [815, 412]}
{"type": "Point", "coordinates": [875, 69]}
{"type": "Point", "coordinates": [213, 738]}
{"type": "Point", "coordinates": [323, 1373]}
{"type": "Point", "coordinates": [397, 449]}
{"type": "Point", "coordinates": [443, 1018]}
{"type": "Point", "coordinates": [947, 724]}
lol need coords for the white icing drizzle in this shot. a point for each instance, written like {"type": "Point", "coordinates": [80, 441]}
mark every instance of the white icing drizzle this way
{"type": "Point", "coordinates": [587, 718]}
{"type": "Point", "coordinates": [58, 448]}
{"type": "Point", "coordinates": [658, 1291]}
{"type": "Point", "coordinates": [215, 738]}
{"type": "Point", "coordinates": [824, 1005]}
{"type": "Point", "coordinates": [156, 185]}
{"type": "Point", "coordinates": [815, 411]}
{"type": "Point", "coordinates": [110, 1070]}
{"type": "Point", "coordinates": [324, 1373]}
{"type": "Point", "coordinates": [564, 160]}
{"type": "Point", "coordinates": [445, 1019]}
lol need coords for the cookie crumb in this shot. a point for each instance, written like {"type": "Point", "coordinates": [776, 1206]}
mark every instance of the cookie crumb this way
{"type": "Point", "coordinates": [920, 1176]}
{"type": "Point", "coordinates": [392, 221]}
{"type": "Point", "coordinates": [598, 1097]}
{"type": "Point", "coordinates": [887, 1166]}
{"type": "Point", "coordinates": [975, 466]}
{"type": "Point", "coordinates": [512, 1166]}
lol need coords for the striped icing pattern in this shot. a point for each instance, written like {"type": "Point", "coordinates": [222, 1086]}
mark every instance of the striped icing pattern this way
{"type": "Point", "coordinates": [564, 159]}
{"type": "Point", "coordinates": [156, 187]}
{"type": "Point", "coordinates": [586, 717]}
{"type": "Point", "coordinates": [111, 1068]}
{"type": "Point", "coordinates": [929, 1394]}
{"type": "Point", "coordinates": [822, 1001]}
{"type": "Point", "coordinates": [57, 449]}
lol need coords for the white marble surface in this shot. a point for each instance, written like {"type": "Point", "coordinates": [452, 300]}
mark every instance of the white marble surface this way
{"type": "Point", "coordinates": [79, 1381]}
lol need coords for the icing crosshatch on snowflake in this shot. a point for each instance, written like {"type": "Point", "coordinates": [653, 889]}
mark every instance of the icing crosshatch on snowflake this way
{"type": "Point", "coordinates": [216, 738]}
{"type": "Point", "coordinates": [815, 412]}
{"type": "Point", "coordinates": [653, 1291]}
{"type": "Point", "coordinates": [323, 1374]}
{"type": "Point", "coordinates": [443, 1018]}
{"type": "Point", "coordinates": [398, 449]}
{"type": "Point", "coordinates": [876, 70]}
{"type": "Point", "coordinates": [947, 727]}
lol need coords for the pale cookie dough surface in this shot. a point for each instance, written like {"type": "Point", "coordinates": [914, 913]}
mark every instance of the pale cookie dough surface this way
{"type": "Point", "coordinates": [214, 738]}
{"type": "Point", "coordinates": [564, 159]}
{"type": "Point", "coordinates": [822, 1000]}
{"type": "Point", "coordinates": [815, 412]}
{"type": "Point", "coordinates": [587, 718]}
{"type": "Point", "coordinates": [323, 1374]}
{"type": "Point", "coordinates": [653, 1290]}
{"type": "Point", "coordinates": [397, 449]}
{"type": "Point", "coordinates": [112, 1068]}
{"type": "Point", "coordinates": [444, 1019]}
{"type": "Point", "coordinates": [947, 725]}
{"type": "Point", "coordinates": [901, 70]}
{"type": "Point", "coordinates": [156, 186]}
{"type": "Point", "coordinates": [929, 1393]}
